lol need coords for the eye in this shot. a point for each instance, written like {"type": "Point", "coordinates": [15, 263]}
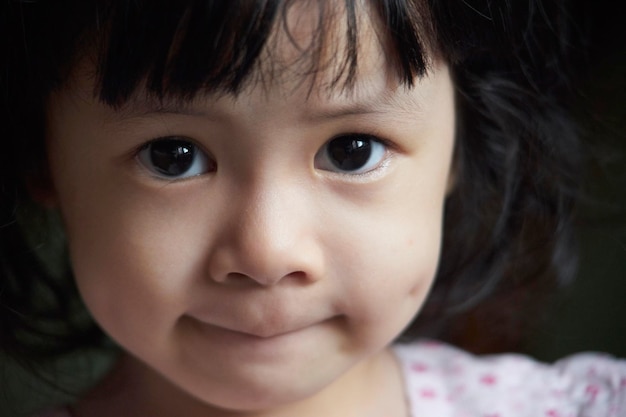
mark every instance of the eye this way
{"type": "Point", "coordinates": [174, 158]}
{"type": "Point", "coordinates": [351, 154]}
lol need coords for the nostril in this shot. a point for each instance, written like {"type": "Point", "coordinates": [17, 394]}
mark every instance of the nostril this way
{"type": "Point", "coordinates": [239, 279]}
{"type": "Point", "coordinates": [238, 260]}
{"type": "Point", "coordinates": [236, 276]}
{"type": "Point", "coordinates": [236, 279]}
{"type": "Point", "coordinates": [298, 276]}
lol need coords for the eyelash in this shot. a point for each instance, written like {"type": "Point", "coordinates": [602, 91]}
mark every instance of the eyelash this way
{"type": "Point", "coordinates": [375, 145]}
{"type": "Point", "coordinates": [180, 149]}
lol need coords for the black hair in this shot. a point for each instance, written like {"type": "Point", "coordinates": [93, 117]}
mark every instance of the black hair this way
{"type": "Point", "coordinates": [508, 220]}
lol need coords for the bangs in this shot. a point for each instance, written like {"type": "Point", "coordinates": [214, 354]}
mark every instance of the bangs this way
{"type": "Point", "coordinates": [178, 48]}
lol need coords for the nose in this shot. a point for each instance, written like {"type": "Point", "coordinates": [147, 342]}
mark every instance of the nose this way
{"type": "Point", "coordinates": [268, 236]}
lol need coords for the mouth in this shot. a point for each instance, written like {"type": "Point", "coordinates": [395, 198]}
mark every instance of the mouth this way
{"type": "Point", "coordinates": [261, 320]}
{"type": "Point", "coordinates": [262, 331]}
{"type": "Point", "coordinates": [267, 345]}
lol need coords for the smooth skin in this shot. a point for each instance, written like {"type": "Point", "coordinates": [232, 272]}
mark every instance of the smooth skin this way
{"type": "Point", "coordinates": [263, 281]}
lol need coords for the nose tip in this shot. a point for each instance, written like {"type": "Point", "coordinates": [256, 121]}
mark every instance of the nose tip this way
{"type": "Point", "coordinates": [266, 242]}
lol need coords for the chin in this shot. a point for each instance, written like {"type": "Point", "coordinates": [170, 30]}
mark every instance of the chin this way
{"type": "Point", "coordinates": [256, 397]}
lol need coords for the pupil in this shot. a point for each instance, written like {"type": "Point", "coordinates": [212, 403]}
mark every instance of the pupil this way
{"type": "Point", "coordinates": [349, 153]}
{"type": "Point", "coordinates": [171, 157]}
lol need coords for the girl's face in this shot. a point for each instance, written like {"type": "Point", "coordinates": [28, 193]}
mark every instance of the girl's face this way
{"type": "Point", "coordinates": [255, 249]}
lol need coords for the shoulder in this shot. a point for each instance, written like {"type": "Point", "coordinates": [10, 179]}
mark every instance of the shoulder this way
{"type": "Point", "coordinates": [445, 381]}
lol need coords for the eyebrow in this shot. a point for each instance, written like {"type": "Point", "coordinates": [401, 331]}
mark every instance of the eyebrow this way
{"type": "Point", "coordinates": [380, 104]}
{"type": "Point", "coordinates": [369, 105]}
{"type": "Point", "coordinates": [352, 109]}
{"type": "Point", "coordinates": [147, 107]}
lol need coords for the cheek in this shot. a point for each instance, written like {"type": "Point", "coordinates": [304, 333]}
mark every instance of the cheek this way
{"type": "Point", "coordinates": [133, 261]}
{"type": "Point", "coordinates": [405, 261]}
{"type": "Point", "coordinates": [392, 261]}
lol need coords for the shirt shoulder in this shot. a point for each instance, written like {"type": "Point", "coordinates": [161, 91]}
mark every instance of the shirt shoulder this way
{"type": "Point", "coordinates": [444, 381]}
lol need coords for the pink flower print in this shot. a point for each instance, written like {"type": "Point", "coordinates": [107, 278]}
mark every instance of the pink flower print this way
{"type": "Point", "coordinates": [553, 413]}
{"type": "Point", "coordinates": [488, 379]}
{"type": "Point", "coordinates": [622, 383]}
{"type": "Point", "coordinates": [593, 391]}
{"type": "Point", "coordinates": [428, 393]}
{"type": "Point", "coordinates": [419, 367]}
{"type": "Point", "coordinates": [492, 415]}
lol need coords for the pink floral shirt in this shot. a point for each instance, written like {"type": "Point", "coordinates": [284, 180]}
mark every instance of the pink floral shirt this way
{"type": "Point", "coordinates": [442, 381]}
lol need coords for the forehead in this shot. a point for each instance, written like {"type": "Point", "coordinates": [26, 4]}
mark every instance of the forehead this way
{"type": "Point", "coordinates": [315, 43]}
{"type": "Point", "coordinates": [321, 45]}
{"type": "Point", "coordinates": [307, 56]}
{"type": "Point", "coordinates": [303, 65]}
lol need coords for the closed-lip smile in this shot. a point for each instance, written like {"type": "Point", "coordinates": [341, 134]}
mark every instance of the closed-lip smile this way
{"type": "Point", "coordinates": [265, 332]}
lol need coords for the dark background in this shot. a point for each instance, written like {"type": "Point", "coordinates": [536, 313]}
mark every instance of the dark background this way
{"type": "Point", "coordinates": [591, 314]}
{"type": "Point", "coordinates": [588, 315]}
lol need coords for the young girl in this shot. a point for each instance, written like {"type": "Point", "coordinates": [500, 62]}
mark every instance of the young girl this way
{"type": "Point", "coordinates": [259, 197]}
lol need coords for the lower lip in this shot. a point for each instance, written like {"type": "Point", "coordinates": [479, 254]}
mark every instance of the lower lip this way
{"type": "Point", "coordinates": [244, 344]}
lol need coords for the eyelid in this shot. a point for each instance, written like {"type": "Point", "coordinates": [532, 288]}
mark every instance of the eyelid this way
{"type": "Point", "coordinates": [181, 138]}
{"type": "Point", "coordinates": [199, 152]}
{"type": "Point", "coordinates": [324, 162]}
